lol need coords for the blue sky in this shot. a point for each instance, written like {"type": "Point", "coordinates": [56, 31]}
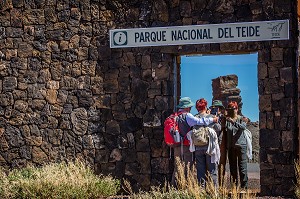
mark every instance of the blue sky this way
{"type": "Point", "coordinates": [212, 66]}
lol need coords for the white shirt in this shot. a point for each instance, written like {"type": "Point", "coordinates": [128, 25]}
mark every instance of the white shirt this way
{"type": "Point", "coordinates": [192, 120]}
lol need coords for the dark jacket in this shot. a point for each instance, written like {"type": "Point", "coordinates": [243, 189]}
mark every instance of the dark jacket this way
{"type": "Point", "coordinates": [184, 128]}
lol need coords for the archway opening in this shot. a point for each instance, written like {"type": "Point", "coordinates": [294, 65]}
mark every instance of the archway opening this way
{"type": "Point", "coordinates": [227, 77]}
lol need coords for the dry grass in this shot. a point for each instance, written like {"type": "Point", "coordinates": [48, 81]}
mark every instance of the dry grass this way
{"type": "Point", "coordinates": [76, 180]}
{"type": "Point", "coordinates": [297, 186]}
{"type": "Point", "coordinates": [189, 188]}
{"type": "Point", "coordinates": [63, 180]}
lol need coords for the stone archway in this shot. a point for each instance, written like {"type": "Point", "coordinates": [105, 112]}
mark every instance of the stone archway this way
{"type": "Point", "coordinates": [64, 93]}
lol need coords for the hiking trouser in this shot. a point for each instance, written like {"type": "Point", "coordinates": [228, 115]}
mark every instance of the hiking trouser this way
{"type": "Point", "coordinates": [223, 158]}
{"type": "Point", "coordinates": [237, 156]}
{"type": "Point", "coordinates": [186, 157]}
{"type": "Point", "coordinates": [205, 167]}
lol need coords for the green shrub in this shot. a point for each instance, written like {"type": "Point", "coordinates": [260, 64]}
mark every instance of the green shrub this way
{"type": "Point", "coordinates": [59, 180]}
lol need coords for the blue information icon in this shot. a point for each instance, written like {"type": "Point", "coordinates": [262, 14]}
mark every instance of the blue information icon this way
{"type": "Point", "coordinates": [120, 38]}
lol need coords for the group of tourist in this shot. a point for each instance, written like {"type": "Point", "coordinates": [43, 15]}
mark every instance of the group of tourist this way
{"type": "Point", "coordinates": [227, 138]}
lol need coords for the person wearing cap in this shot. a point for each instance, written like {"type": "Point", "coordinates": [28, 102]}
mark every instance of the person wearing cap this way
{"type": "Point", "coordinates": [185, 121]}
{"type": "Point", "coordinates": [236, 145]}
{"type": "Point", "coordinates": [217, 108]}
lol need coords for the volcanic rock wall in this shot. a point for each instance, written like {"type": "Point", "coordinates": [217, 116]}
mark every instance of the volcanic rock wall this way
{"type": "Point", "coordinates": [64, 94]}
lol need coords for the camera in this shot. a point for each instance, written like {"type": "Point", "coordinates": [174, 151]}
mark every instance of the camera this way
{"type": "Point", "coordinates": [214, 111]}
{"type": "Point", "coordinates": [229, 112]}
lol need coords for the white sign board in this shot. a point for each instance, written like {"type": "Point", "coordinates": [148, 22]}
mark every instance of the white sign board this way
{"type": "Point", "coordinates": [200, 34]}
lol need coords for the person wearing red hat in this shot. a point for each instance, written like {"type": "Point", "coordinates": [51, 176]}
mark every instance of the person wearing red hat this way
{"type": "Point", "coordinates": [207, 163]}
{"type": "Point", "coordinates": [185, 121]}
{"type": "Point", "coordinates": [236, 145]}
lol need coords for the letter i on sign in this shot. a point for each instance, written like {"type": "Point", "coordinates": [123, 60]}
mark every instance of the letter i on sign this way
{"type": "Point", "coordinates": [120, 38]}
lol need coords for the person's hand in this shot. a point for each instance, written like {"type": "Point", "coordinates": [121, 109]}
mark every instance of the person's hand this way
{"type": "Point", "coordinates": [216, 119]}
{"type": "Point", "coordinates": [208, 111]}
{"type": "Point", "coordinates": [245, 119]}
{"type": "Point", "coordinates": [229, 119]}
{"type": "Point", "coordinates": [223, 121]}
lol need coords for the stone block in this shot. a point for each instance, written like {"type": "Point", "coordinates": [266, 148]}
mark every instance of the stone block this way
{"type": "Point", "coordinates": [5, 18]}
{"type": "Point", "coordinates": [280, 157]}
{"type": "Point", "coordinates": [273, 72]}
{"type": "Point", "coordinates": [115, 155]}
{"type": "Point", "coordinates": [276, 54]}
{"type": "Point", "coordinates": [140, 110]}
{"type": "Point", "coordinates": [10, 54]}
{"type": "Point", "coordinates": [285, 187]}
{"type": "Point", "coordinates": [265, 103]}
{"type": "Point", "coordinates": [161, 103]}
{"type": "Point", "coordinates": [79, 121]}
{"type": "Point", "coordinates": [129, 155]}
{"type": "Point", "coordinates": [6, 99]}
{"type": "Point", "coordinates": [286, 75]}
{"type": "Point", "coordinates": [270, 120]}
{"type": "Point", "coordinates": [38, 155]}
{"type": "Point", "coordinates": [25, 152]}
{"type": "Point", "coordinates": [98, 141]}
{"type": "Point", "coordinates": [12, 154]}
{"type": "Point", "coordinates": [160, 165]}
{"type": "Point", "coordinates": [289, 57]}
{"type": "Point", "coordinates": [34, 17]}
{"type": "Point", "coordinates": [21, 105]}
{"type": "Point", "coordinates": [139, 90]}
{"type": "Point", "coordinates": [9, 83]}
{"type": "Point", "coordinates": [16, 18]}
{"type": "Point", "coordinates": [284, 171]}
{"type": "Point", "coordinates": [132, 168]}
{"type": "Point", "coordinates": [87, 142]}
{"type": "Point", "coordinates": [34, 141]}
{"type": "Point", "coordinates": [22, 86]}
{"type": "Point", "coordinates": [4, 146]}
{"type": "Point", "coordinates": [162, 72]}
{"type": "Point", "coordinates": [287, 106]}
{"type": "Point", "coordinates": [272, 86]}
{"type": "Point", "coordinates": [144, 161]}
{"type": "Point", "coordinates": [287, 140]}
{"type": "Point", "coordinates": [269, 139]}
{"type": "Point", "coordinates": [160, 11]}
{"type": "Point", "coordinates": [143, 145]}
{"type": "Point", "coordinates": [111, 86]}
{"type": "Point", "coordinates": [266, 166]}
{"type": "Point", "coordinates": [51, 96]}
{"type": "Point", "coordinates": [112, 127]}
{"type": "Point", "coordinates": [156, 148]}
{"type": "Point", "coordinates": [50, 14]}
{"type": "Point", "coordinates": [263, 71]}
{"type": "Point", "coordinates": [268, 178]}
{"type": "Point", "coordinates": [282, 6]}
{"type": "Point", "coordinates": [112, 141]}
{"type": "Point", "coordinates": [5, 5]}
{"type": "Point", "coordinates": [151, 118]}
{"type": "Point", "coordinates": [54, 85]}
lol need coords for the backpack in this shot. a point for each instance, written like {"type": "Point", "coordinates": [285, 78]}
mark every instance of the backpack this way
{"type": "Point", "coordinates": [200, 135]}
{"type": "Point", "coordinates": [171, 132]}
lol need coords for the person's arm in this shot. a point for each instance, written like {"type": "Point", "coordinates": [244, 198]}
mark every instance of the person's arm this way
{"type": "Point", "coordinates": [192, 120]}
{"type": "Point", "coordinates": [240, 124]}
{"type": "Point", "coordinates": [217, 127]}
